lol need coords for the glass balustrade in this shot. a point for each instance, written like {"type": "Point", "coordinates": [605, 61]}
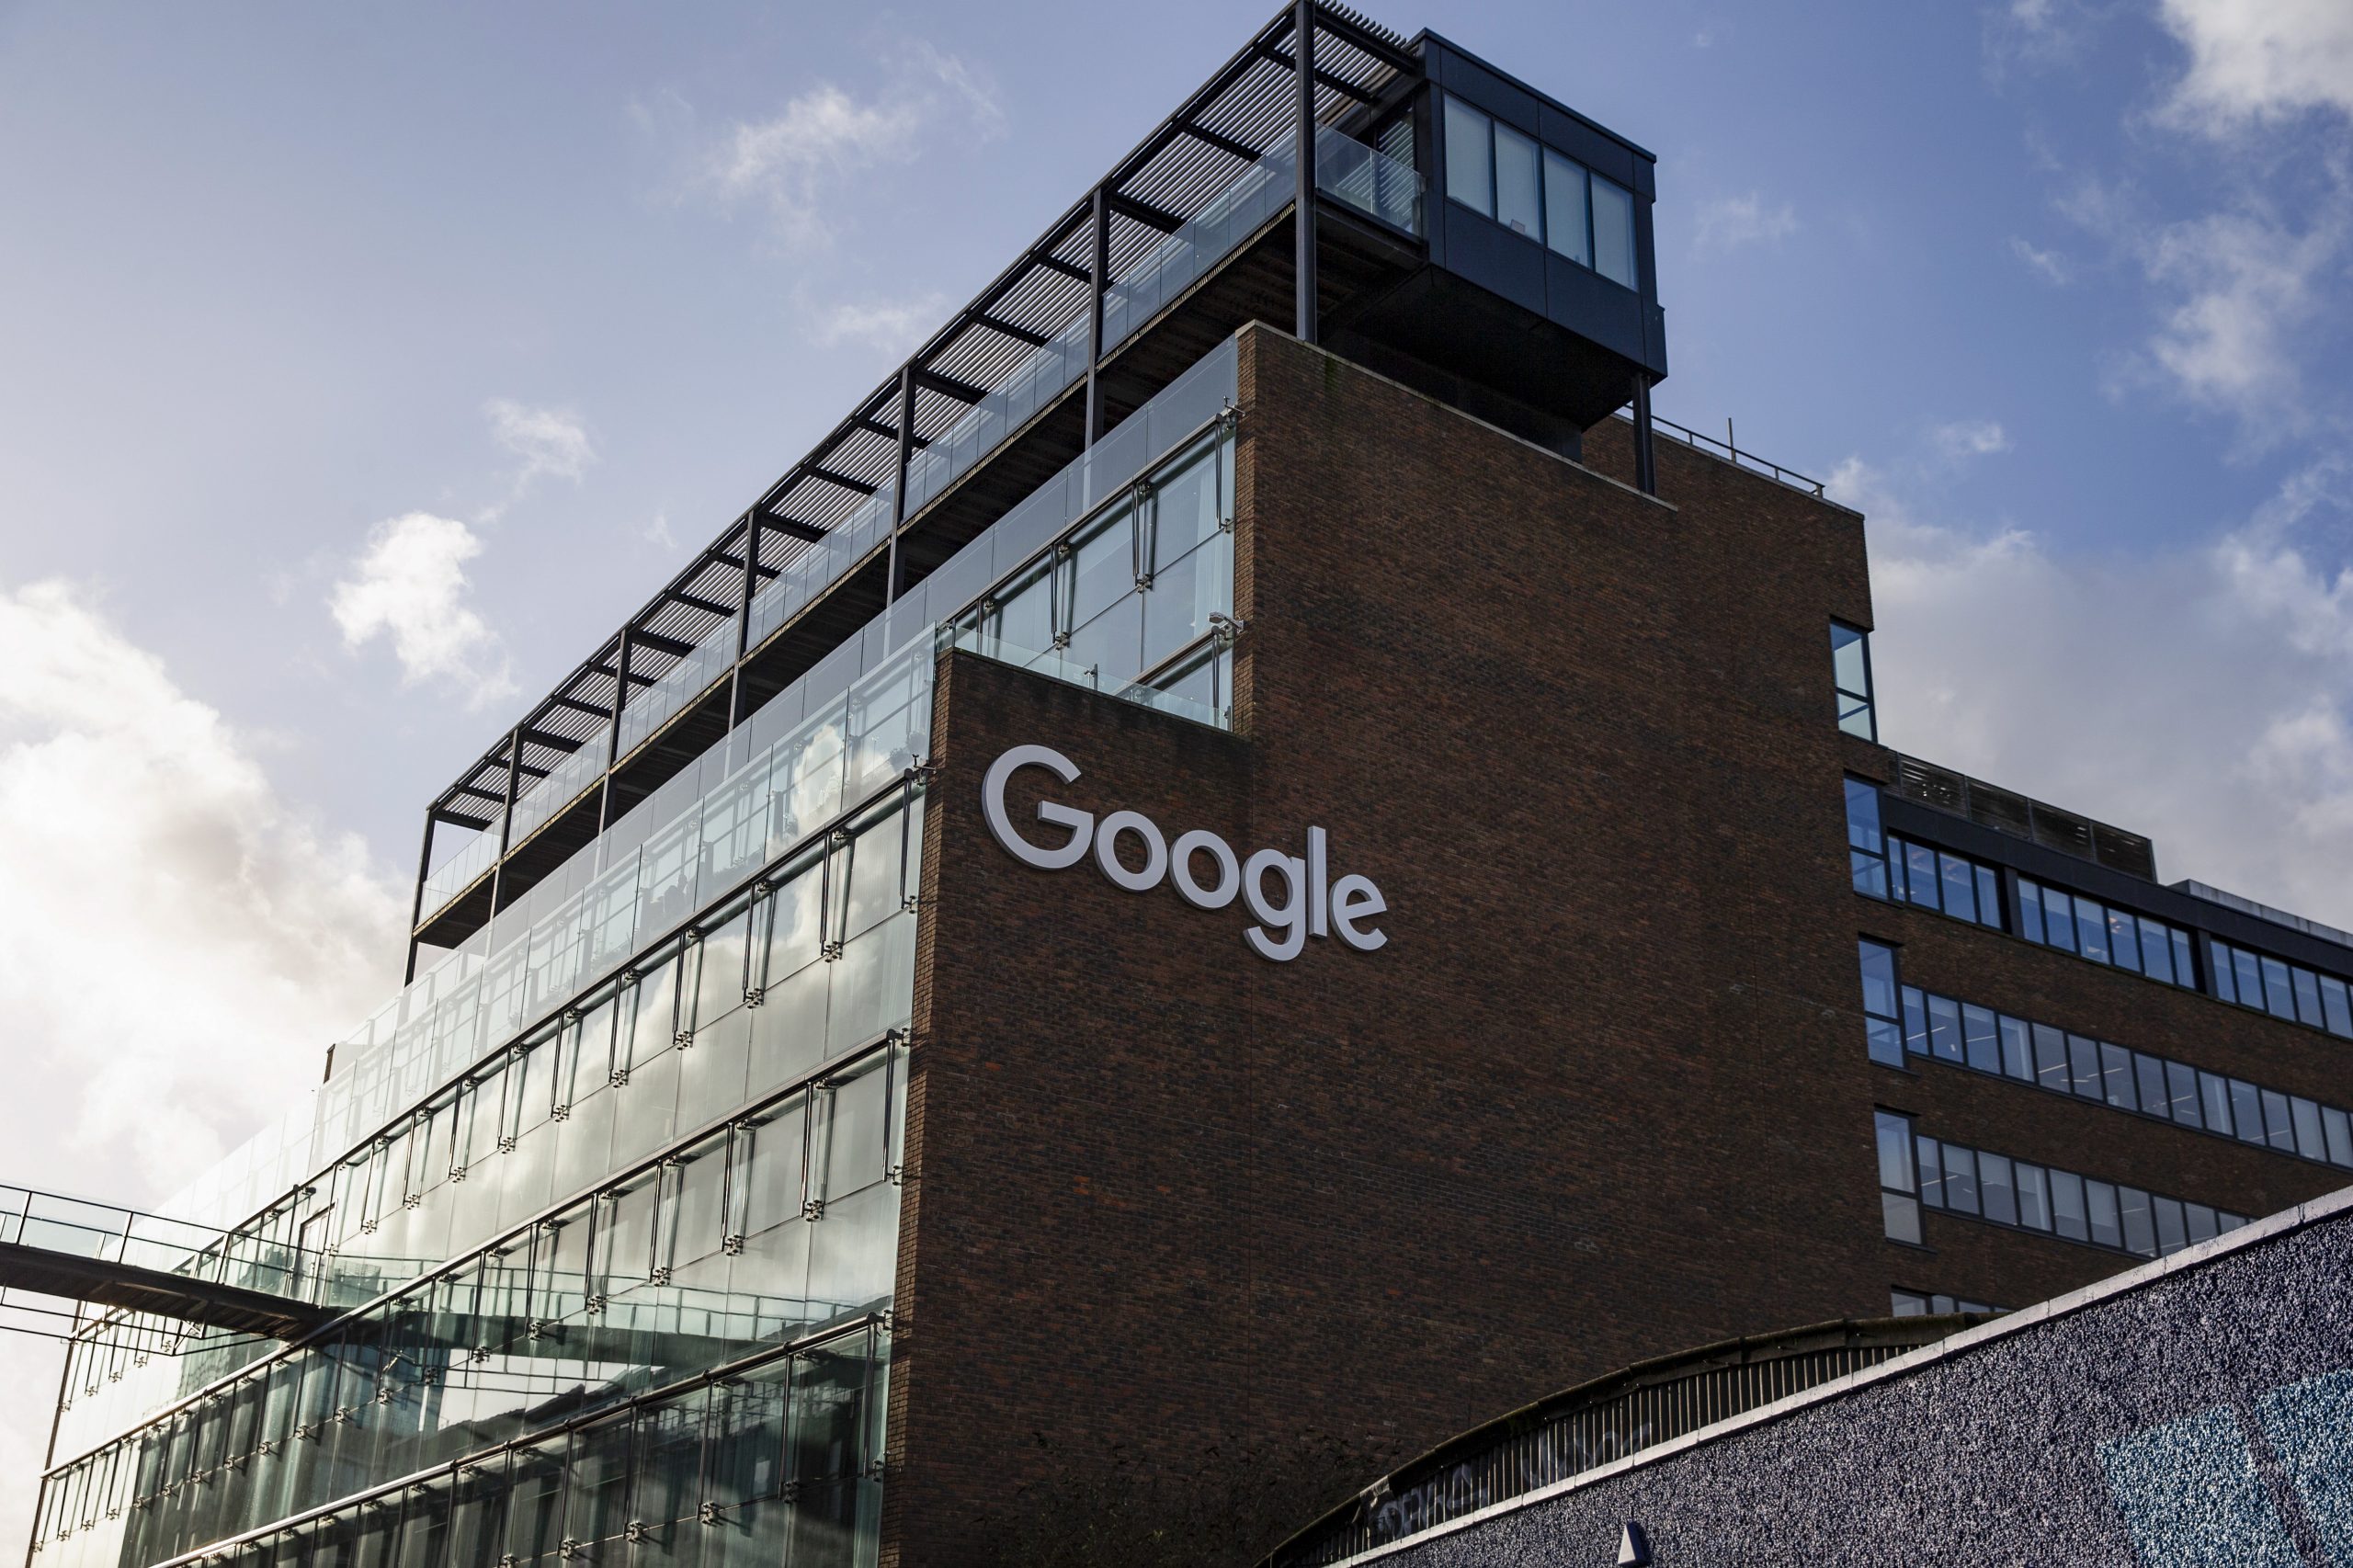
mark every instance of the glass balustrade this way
{"type": "Point", "coordinates": [1346, 169]}
{"type": "Point", "coordinates": [848, 728]}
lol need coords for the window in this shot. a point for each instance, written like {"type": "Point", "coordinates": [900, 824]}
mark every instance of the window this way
{"type": "Point", "coordinates": [1469, 157]}
{"type": "Point", "coordinates": [1899, 1187]}
{"type": "Point", "coordinates": [1905, 1303]}
{"type": "Point", "coordinates": [2282, 989]}
{"type": "Point", "coordinates": [2000, 1045]}
{"type": "Point", "coordinates": [1613, 232]}
{"type": "Point", "coordinates": [1866, 846]}
{"type": "Point", "coordinates": [2013, 1193]}
{"type": "Point", "coordinates": [2089, 929]}
{"type": "Point", "coordinates": [1519, 183]}
{"type": "Point", "coordinates": [1564, 208]}
{"type": "Point", "coordinates": [1941, 879]}
{"type": "Point", "coordinates": [1883, 1027]}
{"type": "Point", "coordinates": [1850, 673]}
{"type": "Point", "coordinates": [1505, 174]}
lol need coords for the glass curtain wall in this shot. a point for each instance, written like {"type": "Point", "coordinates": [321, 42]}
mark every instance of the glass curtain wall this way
{"type": "Point", "coordinates": [722, 1229]}
{"type": "Point", "coordinates": [776, 1460]}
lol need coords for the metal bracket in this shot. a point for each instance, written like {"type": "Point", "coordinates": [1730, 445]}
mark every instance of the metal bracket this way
{"type": "Point", "coordinates": [812, 1209]}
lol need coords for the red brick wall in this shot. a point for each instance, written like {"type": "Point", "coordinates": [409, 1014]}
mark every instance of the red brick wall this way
{"type": "Point", "coordinates": [1603, 1096]}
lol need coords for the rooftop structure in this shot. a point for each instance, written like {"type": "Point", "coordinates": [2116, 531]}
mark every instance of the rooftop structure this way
{"type": "Point", "coordinates": [1536, 308]}
{"type": "Point", "coordinates": [1266, 829]}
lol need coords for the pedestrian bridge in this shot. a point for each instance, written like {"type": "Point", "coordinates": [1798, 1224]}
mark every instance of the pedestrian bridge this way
{"type": "Point", "coordinates": [105, 1256]}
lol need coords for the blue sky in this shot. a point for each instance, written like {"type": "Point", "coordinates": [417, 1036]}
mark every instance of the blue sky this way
{"type": "Point", "coordinates": [362, 368]}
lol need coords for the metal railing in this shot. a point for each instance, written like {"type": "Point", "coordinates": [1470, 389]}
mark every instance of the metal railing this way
{"type": "Point", "coordinates": [1600, 1422]}
{"type": "Point", "coordinates": [1731, 452]}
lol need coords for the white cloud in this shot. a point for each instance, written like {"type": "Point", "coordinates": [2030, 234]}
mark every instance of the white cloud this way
{"type": "Point", "coordinates": [2242, 285]}
{"type": "Point", "coordinates": [1731, 222]}
{"type": "Point", "coordinates": [2050, 264]}
{"type": "Point", "coordinates": [2252, 60]}
{"type": "Point", "coordinates": [549, 441]}
{"type": "Point", "coordinates": [1970, 438]}
{"type": "Point", "coordinates": [789, 163]}
{"type": "Point", "coordinates": [2198, 696]}
{"type": "Point", "coordinates": [891, 326]}
{"type": "Point", "coordinates": [410, 585]}
{"type": "Point", "coordinates": [178, 942]}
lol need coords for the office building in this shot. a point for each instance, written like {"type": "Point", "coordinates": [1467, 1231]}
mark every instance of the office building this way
{"type": "Point", "coordinates": [1234, 850]}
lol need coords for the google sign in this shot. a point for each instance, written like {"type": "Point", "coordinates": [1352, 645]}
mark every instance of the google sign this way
{"type": "Point", "coordinates": [1306, 901]}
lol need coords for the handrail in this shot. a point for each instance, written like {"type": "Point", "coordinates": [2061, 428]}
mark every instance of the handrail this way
{"type": "Point", "coordinates": [1731, 453]}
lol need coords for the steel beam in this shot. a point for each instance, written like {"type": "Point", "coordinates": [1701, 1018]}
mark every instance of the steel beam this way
{"type": "Point", "coordinates": [1302, 45]}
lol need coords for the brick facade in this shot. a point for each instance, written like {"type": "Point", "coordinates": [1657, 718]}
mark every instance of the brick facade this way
{"type": "Point", "coordinates": [1602, 1097]}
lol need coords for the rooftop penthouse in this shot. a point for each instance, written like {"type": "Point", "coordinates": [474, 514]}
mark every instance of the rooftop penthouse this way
{"type": "Point", "coordinates": [1398, 200]}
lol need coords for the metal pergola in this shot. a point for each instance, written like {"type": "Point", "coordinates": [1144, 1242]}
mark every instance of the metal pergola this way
{"type": "Point", "coordinates": [1260, 101]}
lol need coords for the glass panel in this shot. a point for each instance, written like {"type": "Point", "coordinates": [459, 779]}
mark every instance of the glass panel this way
{"type": "Point", "coordinates": [1959, 887]}
{"type": "Point", "coordinates": [2307, 997]}
{"type": "Point", "coordinates": [2091, 930]}
{"type": "Point", "coordinates": [2199, 1222]}
{"type": "Point", "coordinates": [1564, 208]}
{"type": "Point", "coordinates": [1944, 1028]}
{"type": "Point", "coordinates": [2031, 910]}
{"type": "Point", "coordinates": [1470, 168]}
{"type": "Point", "coordinates": [2139, 1228]}
{"type": "Point", "coordinates": [1613, 232]}
{"type": "Point", "coordinates": [1997, 1188]}
{"type": "Point", "coordinates": [1518, 195]}
{"type": "Point", "coordinates": [1894, 1152]}
{"type": "Point", "coordinates": [2248, 971]}
{"type": "Point", "coordinates": [2334, 1009]}
{"type": "Point", "coordinates": [2123, 940]}
{"type": "Point", "coordinates": [2034, 1195]}
{"type": "Point", "coordinates": [2116, 1077]}
{"type": "Point", "coordinates": [2339, 1128]}
{"type": "Point", "coordinates": [1928, 1158]}
{"type": "Point", "coordinates": [2278, 994]}
{"type": "Point", "coordinates": [2278, 1125]}
{"type": "Point", "coordinates": [1920, 874]}
{"type": "Point", "coordinates": [2051, 1068]}
{"type": "Point", "coordinates": [2156, 951]}
{"type": "Point", "coordinates": [2085, 1054]}
{"type": "Point", "coordinates": [1900, 1216]}
{"type": "Point", "coordinates": [2017, 1048]}
{"type": "Point", "coordinates": [2311, 1142]}
{"type": "Point", "coordinates": [1989, 898]}
{"type": "Point", "coordinates": [1865, 840]}
{"type": "Point", "coordinates": [2100, 1202]}
{"type": "Point", "coordinates": [2059, 919]}
{"type": "Point", "coordinates": [2067, 1206]}
{"type": "Point", "coordinates": [2172, 1233]}
{"type": "Point", "coordinates": [1961, 1179]}
{"type": "Point", "coordinates": [2247, 1111]}
{"type": "Point", "coordinates": [2214, 1096]}
{"type": "Point", "coordinates": [1984, 1045]}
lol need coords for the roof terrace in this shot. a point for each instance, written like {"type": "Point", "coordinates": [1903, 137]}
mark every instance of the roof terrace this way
{"type": "Point", "coordinates": [1293, 186]}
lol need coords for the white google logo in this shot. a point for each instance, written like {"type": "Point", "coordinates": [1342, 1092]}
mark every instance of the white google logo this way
{"type": "Point", "coordinates": [1310, 904]}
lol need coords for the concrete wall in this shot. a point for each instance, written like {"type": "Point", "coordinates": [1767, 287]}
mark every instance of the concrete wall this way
{"type": "Point", "coordinates": [2200, 1412]}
